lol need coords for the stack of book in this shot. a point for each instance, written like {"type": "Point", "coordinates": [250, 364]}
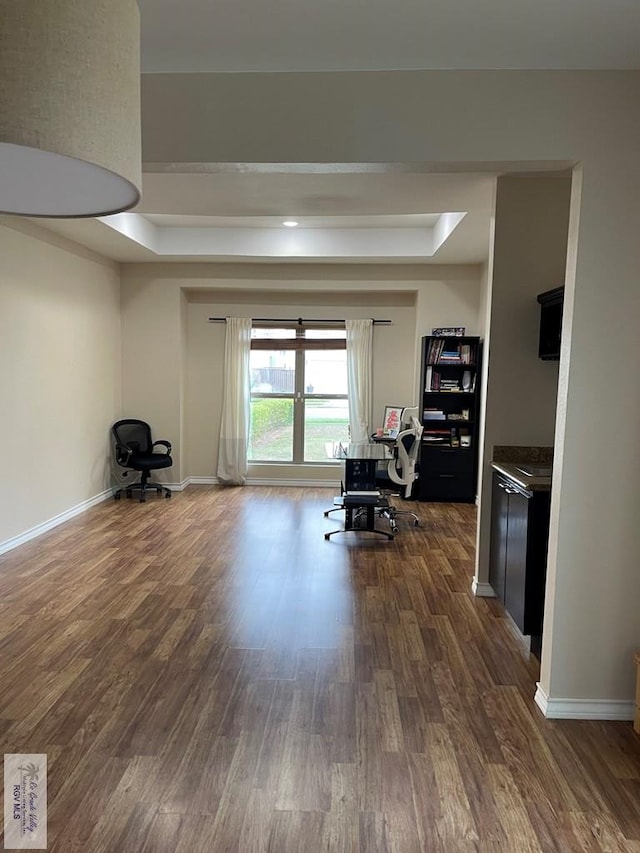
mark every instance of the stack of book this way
{"type": "Point", "coordinates": [451, 356]}
{"type": "Point", "coordinates": [442, 351]}
{"type": "Point", "coordinates": [437, 436]}
{"type": "Point", "coordinates": [434, 415]}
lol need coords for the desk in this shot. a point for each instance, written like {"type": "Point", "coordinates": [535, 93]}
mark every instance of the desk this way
{"type": "Point", "coordinates": [360, 463]}
{"type": "Point", "coordinates": [360, 498]}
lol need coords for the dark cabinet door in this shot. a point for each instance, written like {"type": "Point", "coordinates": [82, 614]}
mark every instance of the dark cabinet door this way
{"type": "Point", "coordinates": [499, 522]}
{"type": "Point", "coordinates": [515, 597]}
{"type": "Point", "coordinates": [518, 551]}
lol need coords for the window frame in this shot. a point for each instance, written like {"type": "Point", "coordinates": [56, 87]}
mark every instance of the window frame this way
{"type": "Point", "coordinates": [300, 344]}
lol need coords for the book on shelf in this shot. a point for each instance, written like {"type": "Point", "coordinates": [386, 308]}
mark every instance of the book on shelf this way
{"type": "Point", "coordinates": [465, 354]}
{"type": "Point", "coordinates": [436, 436]}
{"type": "Point", "coordinates": [441, 351]}
{"type": "Point", "coordinates": [432, 380]}
{"type": "Point", "coordinates": [436, 346]}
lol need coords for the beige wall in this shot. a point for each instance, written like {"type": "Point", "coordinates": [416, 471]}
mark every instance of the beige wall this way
{"type": "Point", "coordinates": [594, 543]}
{"type": "Point", "coordinates": [415, 298]}
{"type": "Point", "coordinates": [59, 374]}
{"type": "Point", "coordinates": [529, 256]}
{"type": "Point", "coordinates": [492, 121]}
{"type": "Point", "coordinates": [153, 358]}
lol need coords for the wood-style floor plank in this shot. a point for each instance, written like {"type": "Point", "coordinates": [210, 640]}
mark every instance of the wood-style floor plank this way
{"type": "Point", "coordinates": [209, 674]}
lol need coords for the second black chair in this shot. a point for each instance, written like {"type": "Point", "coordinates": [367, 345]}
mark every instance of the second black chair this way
{"type": "Point", "coordinates": [135, 450]}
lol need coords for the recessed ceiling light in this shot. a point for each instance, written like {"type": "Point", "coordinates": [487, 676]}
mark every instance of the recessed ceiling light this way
{"type": "Point", "coordinates": [290, 223]}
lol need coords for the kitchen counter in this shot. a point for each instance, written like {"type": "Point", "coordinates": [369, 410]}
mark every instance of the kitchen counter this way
{"type": "Point", "coordinates": [532, 478]}
{"type": "Point", "coordinates": [529, 467]}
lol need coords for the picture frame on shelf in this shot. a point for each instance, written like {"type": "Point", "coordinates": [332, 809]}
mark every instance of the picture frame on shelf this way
{"type": "Point", "coordinates": [449, 331]}
{"type": "Point", "coordinates": [392, 419]}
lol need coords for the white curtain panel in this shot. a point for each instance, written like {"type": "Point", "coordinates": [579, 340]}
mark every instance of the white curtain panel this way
{"type": "Point", "coordinates": [234, 425]}
{"type": "Point", "coordinates": [359, 376]}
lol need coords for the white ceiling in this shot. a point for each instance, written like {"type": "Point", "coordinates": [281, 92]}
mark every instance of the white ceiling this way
{"type": "Point", "coordinates": [355, 213]}
{"type": "Point", "coordinates": [398, 217]}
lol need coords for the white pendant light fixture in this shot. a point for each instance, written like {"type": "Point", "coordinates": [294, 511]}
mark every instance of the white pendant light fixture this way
{"type": "Point", "coordinates": [69, 107]}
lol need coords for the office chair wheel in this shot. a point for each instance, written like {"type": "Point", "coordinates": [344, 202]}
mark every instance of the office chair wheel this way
{"type": "Point", "coordinates": [117, 496]}
{"type": "Point", "coordinates": [168, 495]}
{"type": "Point", "coordinates": [416, 522]}
{"type": "Point", "coordinates": [394, 528]}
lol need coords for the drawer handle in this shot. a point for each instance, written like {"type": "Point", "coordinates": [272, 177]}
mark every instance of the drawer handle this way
{"type": "Point", "coordinates": [444, 476]}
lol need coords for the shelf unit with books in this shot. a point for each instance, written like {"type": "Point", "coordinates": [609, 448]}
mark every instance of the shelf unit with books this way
{"type": "Point", "coordinates": [449, 382]}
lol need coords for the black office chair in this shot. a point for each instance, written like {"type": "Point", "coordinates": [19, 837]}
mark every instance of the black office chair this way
{"type": "Point", "coordinates": [401, 472]}
{"type": "Point", "coordinates": [134, 450]}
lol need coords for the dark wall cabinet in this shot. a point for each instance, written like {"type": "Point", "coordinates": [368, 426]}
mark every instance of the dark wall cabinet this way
{"type": "Point", "coordinates": [450, 393]}
{"type": "Point", "coordinates": [551, 305]}
{"type": "Point", "coordinates": [518, 556]}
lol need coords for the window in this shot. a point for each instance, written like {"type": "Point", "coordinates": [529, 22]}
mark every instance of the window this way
{"type": "Point", "coordinates": [299, 408]}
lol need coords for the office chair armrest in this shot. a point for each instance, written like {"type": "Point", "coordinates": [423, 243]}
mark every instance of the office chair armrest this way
{"type": "Point", "coordinates": [123, 454]}
{"type": "Point", "coordinates": [164, 443]}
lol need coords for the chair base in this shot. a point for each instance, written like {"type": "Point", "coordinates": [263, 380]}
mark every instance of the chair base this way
{"type": "Point", "coordinates": [142, 487]}
{"type": "Point", "coordinates": [390, 512]}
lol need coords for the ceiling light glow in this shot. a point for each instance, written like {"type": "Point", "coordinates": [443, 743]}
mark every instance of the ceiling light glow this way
{"type": "Point", "coordinates": [290, 223]}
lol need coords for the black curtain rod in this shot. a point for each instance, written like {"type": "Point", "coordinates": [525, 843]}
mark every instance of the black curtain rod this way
{"type": "Point", "coordinates": [299, 320]}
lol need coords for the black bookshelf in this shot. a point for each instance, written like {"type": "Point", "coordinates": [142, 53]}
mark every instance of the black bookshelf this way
{"type": "Point", "coordinates": [450, 395]}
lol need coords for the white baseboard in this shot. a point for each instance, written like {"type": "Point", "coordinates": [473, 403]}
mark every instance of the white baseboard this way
{"type": "Point", "coordinates": [482, 590]}
{"type": "Point", "coordinates": [265, 481]}
{"type": "Point", "coordinates": [306, 484]}
{"type": "Point", "coordinates": [39, 529]}
{"type": "Point", "coordinates": [178, 487]}
{"type": "Point", "coordinates": [584, 709]}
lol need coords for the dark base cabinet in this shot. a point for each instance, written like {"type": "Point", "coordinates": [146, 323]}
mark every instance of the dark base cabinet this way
{"type": "Point", "coordinates": [447, 474]}
{"type": "Point", "coordinates": [518, 556]}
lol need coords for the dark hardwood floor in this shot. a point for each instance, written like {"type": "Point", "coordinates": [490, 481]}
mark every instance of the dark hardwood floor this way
{"type": "Point", "coordinates": [209, 674]}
